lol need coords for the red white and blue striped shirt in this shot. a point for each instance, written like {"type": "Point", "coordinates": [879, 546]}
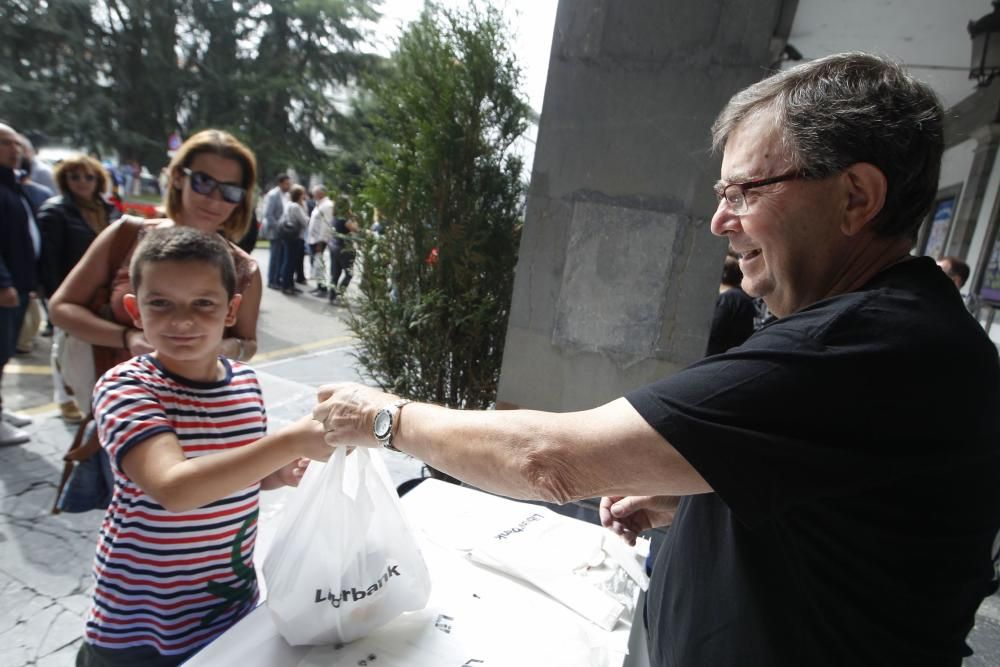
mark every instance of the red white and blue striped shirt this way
{"type": "Point", "coordinates": [174, 581]}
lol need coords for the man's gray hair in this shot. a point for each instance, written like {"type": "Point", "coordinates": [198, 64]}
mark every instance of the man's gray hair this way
{"type": "Point", "coordinates": [847, 108]}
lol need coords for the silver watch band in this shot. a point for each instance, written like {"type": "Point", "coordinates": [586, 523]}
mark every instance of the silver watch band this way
{"type": "Point", "coordinates": [395, 408]}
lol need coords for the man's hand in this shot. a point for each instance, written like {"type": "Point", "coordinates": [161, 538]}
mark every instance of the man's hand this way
{"type": "Point", "coordinates": [346, 412]}
{"type": "Point", "coordinates": [8, 297]}
{"type": "Point", "coordinates": [631, 515]}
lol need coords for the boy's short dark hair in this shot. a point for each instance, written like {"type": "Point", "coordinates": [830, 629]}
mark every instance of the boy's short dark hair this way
{"type": "Point", "coordinates": [183, 244]}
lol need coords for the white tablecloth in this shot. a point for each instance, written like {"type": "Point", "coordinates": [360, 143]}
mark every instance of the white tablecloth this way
{"type": "Point", "coordinates": [476, 615]}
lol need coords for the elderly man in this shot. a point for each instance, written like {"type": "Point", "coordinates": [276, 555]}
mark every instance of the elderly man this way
{"type": "Point", "coordinates": [20, 244]}
{"type": "Point", "coordinates": [826, 516]}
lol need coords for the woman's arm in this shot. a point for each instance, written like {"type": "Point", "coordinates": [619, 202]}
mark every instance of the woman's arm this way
{"type": "Point", "coordinates": [158, 465]}
{"type": "Point", "coordinates": [69, 307]}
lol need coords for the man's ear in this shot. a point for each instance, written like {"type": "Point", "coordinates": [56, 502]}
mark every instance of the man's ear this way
{"type": "Point", "coordinates": [131, 304]}
{"type": "Point", "coordinates": [234, 307]}
{"type": "Point", "coordinates": [866, 190]}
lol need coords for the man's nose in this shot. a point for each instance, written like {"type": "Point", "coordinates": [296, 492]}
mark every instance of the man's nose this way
{"type": "Point", "coordinates": [724, 219]}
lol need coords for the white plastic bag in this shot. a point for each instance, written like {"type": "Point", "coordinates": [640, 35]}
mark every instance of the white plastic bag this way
{"type": "Point", "coordinates": [343, 561]}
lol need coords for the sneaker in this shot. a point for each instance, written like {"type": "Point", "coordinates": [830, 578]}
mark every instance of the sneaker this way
{"type": "Point", "coordinates": [47, 331]}
{"type": "Point", "coordinates": [10, 435]}
{"type": "Point", "coordinates": [70, 413]}
{"type": "Point", "coordinates": [15, 419]}
{"type": "Point", "coordinates": [319, 291]}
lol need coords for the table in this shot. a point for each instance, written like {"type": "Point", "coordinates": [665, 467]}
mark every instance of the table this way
{"type": "Point", "coordinates": [475, 616]}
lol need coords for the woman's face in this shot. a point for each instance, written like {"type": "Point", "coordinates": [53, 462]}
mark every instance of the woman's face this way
{"type": "Point", "coordinates": [82, 183]}
{"type": "Point", "coordinates": [207, 212]}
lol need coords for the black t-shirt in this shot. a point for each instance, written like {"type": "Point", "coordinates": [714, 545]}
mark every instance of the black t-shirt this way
{"type": "Point", "coordinates": [341, 237]}
{"type": "Point", "coordinates": [854, 450]}
{"type": "Point", "coordinates": [732, 322]}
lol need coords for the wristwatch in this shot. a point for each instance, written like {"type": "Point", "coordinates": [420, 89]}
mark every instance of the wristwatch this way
{"type": "Point", "coordinates": [384, 419]}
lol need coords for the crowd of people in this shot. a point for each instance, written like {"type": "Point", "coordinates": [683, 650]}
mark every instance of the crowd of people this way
{"type": "Point", "coordinates": [298, 224]}
{"type": "Point", "coordinates": [818, 516]}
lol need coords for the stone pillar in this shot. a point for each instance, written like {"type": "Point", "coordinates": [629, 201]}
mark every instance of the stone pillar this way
{"type": "Point", "coordinates": [618, 270]}
{"type": "Point", "coordinates": [987, 141]}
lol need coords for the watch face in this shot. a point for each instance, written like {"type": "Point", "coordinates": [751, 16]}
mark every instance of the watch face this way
{"type": "Point", "coordinates": [383, 424]}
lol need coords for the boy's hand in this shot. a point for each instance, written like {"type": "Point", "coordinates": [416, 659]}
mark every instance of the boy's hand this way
{"type": "Point", "coordinates": [291, 474]}
{"type": "Point", "coordinates": [306, 436]}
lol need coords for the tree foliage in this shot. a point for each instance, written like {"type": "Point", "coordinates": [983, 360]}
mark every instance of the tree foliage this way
{"type": "Point", "coordinates": [436, 293]}
{"type": "Point", "coordinates": [122, 75]}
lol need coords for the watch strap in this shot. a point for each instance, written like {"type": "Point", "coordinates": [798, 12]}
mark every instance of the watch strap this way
{"type": "Point", "coordinates": [394, 410]}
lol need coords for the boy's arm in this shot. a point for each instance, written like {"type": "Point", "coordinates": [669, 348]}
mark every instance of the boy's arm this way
{"type": "Point", "coordinates": [179, 484]}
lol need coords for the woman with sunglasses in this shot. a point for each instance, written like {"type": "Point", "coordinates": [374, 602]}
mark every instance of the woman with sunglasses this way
{"type": "Point", "coordinates": [210, 178]}
{"type": "Point", "coordinates": [69, 223]}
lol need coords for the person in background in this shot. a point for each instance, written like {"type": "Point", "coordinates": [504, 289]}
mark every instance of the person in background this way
{"type": "Point", "coordinates": [955, 269]}
{"type": "Point", "coordinates": [342, 250]}
{"type": "Point", "coordinates": [301, 249]}
{"type": "Point", "coordinates": [69, 223]}
{"type": "Point", "coordinates": [274, 209]}
{"type": "Point", "coordinates": [732, 322]}
{"type": "Point", "coordinates": [210, 177]}
{"type": "Point", "coordinates": [318, 236]}
{"type": "Point", "coordinates": [37, 194]}
{"type": "Point", "coordinates": [811, 494]}
{"type": "Point", "coordinates": [249, 240]}
{"type": "Point", "coordinates": [185, 430]}
{"type": "Point", "coordinates": [291, 230]}
{"type": "Point", "coordinates": [39, 172]}
{"type": "Point", "coordinates": [20, 247]}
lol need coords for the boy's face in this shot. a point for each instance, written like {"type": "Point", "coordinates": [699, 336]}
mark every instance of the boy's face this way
{"type": "Point", "coordinates": [183, 309]}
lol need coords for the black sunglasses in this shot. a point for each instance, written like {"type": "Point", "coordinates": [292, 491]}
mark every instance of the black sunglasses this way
{"type": "Point", "coordinates": [204, 184]}
{"type": "Point", "coordinates": [76, 176]}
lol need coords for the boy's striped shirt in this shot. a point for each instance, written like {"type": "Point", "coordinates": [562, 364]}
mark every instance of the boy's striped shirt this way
{"type": "Point", "coordinates": [173, 581]}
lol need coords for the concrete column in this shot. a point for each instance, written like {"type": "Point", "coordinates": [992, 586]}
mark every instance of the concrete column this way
{"type": "Point", "coordinates": [618, 270]}
{"type": "Point", "coordinates": [987, 141]}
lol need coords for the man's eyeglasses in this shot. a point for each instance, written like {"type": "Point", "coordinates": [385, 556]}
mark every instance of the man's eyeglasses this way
{"type": "Point", "coordinates": [204, 184]}
{"type": "Point", "coordinates": [735, 194]}
{"type": "Point", "coordinates": [77, 176]}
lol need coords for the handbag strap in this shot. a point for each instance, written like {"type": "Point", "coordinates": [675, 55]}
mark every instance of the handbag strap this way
{"type": "Point", "coordinates": [79, 450]}
{"type": "Point", "coordinates": [123, 241]}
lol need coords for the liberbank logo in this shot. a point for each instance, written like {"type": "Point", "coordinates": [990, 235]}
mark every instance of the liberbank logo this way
{"type": "Point", "coordinates": [354, 594]}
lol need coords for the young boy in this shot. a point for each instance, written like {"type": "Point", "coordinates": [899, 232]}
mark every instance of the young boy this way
{"type": "Point", "coordinates": [185, 431]}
